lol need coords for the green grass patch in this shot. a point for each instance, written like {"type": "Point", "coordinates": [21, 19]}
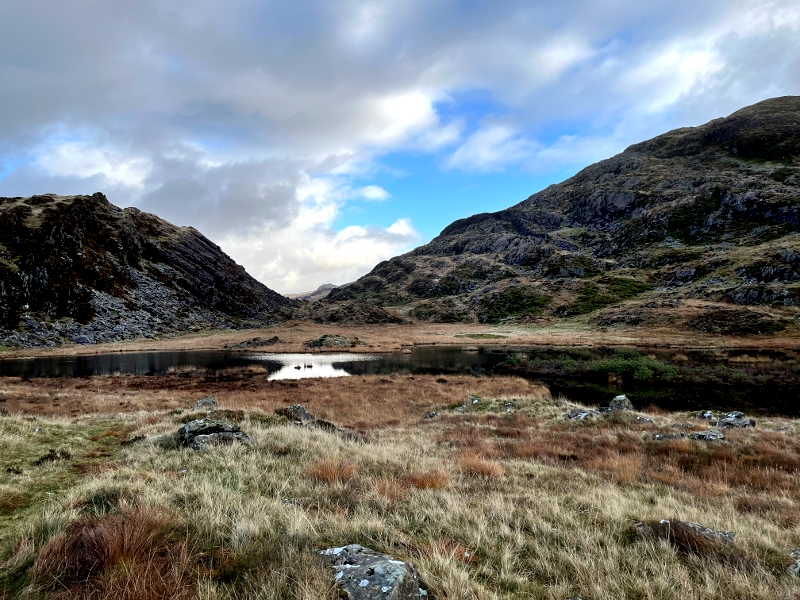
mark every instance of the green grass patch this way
{"type": "Point", "coordinates": [633, 364]}
{"type": "Point", "coordinates": [592, 297]}
{"type": "Point", "coordinates": [38, 465]}
{"type": "Point", "coordinates": [515, 301]}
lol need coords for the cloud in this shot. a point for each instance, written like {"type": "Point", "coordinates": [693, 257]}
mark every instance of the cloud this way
{"type": "Point", "coordinates": [373, 192]}
{"type": "Point", "coordinates": [257, 122]}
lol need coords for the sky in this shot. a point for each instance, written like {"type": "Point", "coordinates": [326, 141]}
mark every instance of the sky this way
{"type": "Point", "coordinates": [313, 139]}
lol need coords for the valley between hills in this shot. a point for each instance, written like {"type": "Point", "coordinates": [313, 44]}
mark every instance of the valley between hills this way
{"type": "Point", "coordinates": [616, 417]}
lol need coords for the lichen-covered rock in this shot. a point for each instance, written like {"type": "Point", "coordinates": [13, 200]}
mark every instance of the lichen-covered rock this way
{"type": "Point", "coordinates": [201, 434]}
{"type": "Point", "coordinates": [731, 420]}
{"type": "Point", "coordinates": [683, 532]}
{"type": "Point", "coordinates": [363, 574]}
{"type": "Point", "coordinates": [295, 413]}
{"type": "Point", "coordinates": [620, 402]}
{"type": "Point", "coordinates": [581, 414]}
{"type": "Point", "coordinates": [712, 435]}
{"type": "Point", "coordinates": [666, 527]}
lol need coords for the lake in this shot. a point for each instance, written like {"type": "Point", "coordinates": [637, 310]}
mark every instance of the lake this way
{"type": "Point", "coordinates": [759, 382]}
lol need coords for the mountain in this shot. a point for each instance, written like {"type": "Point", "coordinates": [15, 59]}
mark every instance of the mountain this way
{"type": "Point", "coordinates": [78, 268]}
{"type": "Point", "coordinates": [318, 294]}
{"type": "Point", "coordinates": [697, 228]}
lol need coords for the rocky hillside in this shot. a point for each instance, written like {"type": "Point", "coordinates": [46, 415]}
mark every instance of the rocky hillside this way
{"type": "Point", "coordinates": [79, 269]}
{"type": "Point", "coordinates": [697, 228]}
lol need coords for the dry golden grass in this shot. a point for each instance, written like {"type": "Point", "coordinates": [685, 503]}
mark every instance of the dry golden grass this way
{"type": "Point", "coordinates": [428, 480]}
{"type": "Point", "coordinates": [485, 504]}
{"type": "Point", "coordinates": [388, 338]}
{"type": "Point", "coordinates": [332, 471]}
{"type": "Point", "coordinates": [360, 402]}
{"type": "Point", "coordinates": [134, 554]}
{"type": "Point", "coordinates": [477, 466]}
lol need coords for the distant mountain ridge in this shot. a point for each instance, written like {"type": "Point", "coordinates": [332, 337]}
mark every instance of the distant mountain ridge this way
{"type": "Point", "coordinates": [668, 232]}
{"type": "Point", "coordinates": [78, 268]}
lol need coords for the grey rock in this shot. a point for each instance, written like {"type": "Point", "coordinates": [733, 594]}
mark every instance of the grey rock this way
{"type": "Point", "coordinates": [794, 568]}
{"type": "Point", "coordinates": [668, 436]}
{"type": "Point", "coordinates": [644, 420]}
{"type": "Point", "coordinates": [712, 435]}
{"type": "Point", "coordinates": [201, 434]}
{"type": "Point", "coordinates": [295, 413]}
{"type": "Point", "coordinates": [706, 414]}
{"type": "Point", "coordinates": [620, 402]}
{"type": "Point", "coordinates": [363, 574]}
{"type": "Point", "coordinates": [83, 339]}
{"type": "Point", "coordinates": [714, 535]}
{"type": "Point", "coordinates": [580, 415]}
{"type": "Point", "coordinates": [431, 414]}
{"type": "Point", "coordinates": [207, 402]}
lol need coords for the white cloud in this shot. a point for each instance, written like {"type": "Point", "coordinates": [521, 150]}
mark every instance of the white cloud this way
{"type": "Point", "coordinates": [308, 251]}
{"type": "Point", "coordinates": [492, 147]}
{"type": "Point", "coordinates": [373, 192]}
{"type": "Point", "coordinates": [84, 159]}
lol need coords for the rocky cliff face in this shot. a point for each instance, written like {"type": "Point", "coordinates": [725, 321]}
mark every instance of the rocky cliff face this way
{"type": "Point", "coordinates": [667, 232]}
{"type": "Point", "coordinates": [78, 268]}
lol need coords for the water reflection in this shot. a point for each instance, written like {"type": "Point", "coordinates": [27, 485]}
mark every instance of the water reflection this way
{"type": "Point", "coordinates": [303, 366]}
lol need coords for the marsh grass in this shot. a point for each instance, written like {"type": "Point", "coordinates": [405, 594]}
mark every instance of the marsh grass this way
{"type": "Point", "coordinates": [486, 504]}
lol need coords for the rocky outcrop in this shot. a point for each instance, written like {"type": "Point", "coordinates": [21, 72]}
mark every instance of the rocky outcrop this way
{"type": "Point", "coordinates": [731, 420]}
{"type": "Point", "coordinates": [77, 269]}
{"type": "Point", "coordinates": [331, 340]}
{"type": "Point", "coordinates": [705, 214]}
{"type": "Point", "coordinates": [363, 574]}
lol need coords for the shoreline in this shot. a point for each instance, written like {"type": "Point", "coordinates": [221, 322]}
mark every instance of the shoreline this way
{"type": "Point", "coordinates": [382, 339]}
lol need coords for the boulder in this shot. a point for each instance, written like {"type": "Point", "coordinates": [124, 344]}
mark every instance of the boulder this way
{"type": "Point", "coordinates": [712, 435]}
{"type": "Point", "coordinates": [706, 414]}
{"type": "Point", "coordinates": [581, 414]}
{"type": "Point", "coordinates": [295, 413]}
{"type": "Point", "coordinates": [665, 527]}
{"type": "Point", "coordinates": [207, 402]}
{"type": "Point", "coordinates": [363, 574]}
{"type": "Point", "coordinates": [732, 420]}
{"type": "Point", "coordinates": [201, 434]}
{"type": "Point", "coordinates": [674, 530]}
{"type": "Point", "coordinates": [620, 402]}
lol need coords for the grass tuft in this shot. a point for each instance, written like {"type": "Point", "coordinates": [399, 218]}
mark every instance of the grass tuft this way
{"type": "Point", "coordinates": [477, 466]}
{"type": "Point", "coordinates": [332, 471]}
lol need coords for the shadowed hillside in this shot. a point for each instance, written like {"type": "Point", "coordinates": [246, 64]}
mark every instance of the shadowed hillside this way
{"type": "Point", "coordinates": [78, 268]}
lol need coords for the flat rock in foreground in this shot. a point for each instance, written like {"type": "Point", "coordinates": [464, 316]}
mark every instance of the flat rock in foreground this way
{"type": "Point", "coordinates": [363, 574]}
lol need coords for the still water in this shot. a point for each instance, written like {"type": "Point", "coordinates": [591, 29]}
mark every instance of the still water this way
{"type": "Point", "coordinates": [760, 382]}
